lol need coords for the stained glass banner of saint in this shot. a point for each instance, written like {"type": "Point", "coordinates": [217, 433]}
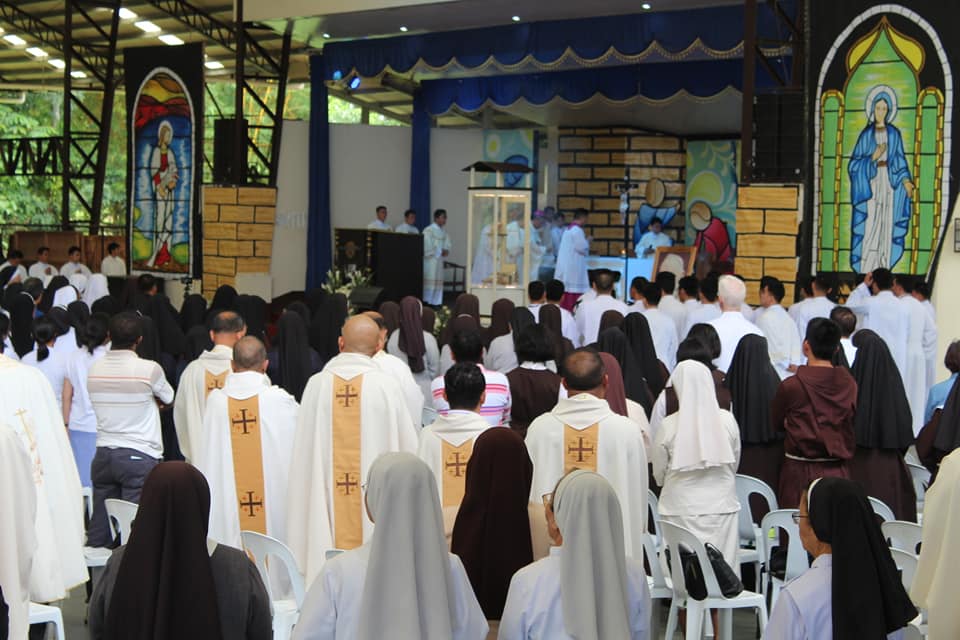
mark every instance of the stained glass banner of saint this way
{"type": "Point", "coordinates": [163, 142]}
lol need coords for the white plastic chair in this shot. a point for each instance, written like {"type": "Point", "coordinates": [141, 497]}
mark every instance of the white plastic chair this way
{"type": "Point", "coordinates": [751, 538]}
{"type": "Point", "coordinates": [921, 481]}
{"type": "Point", "coordinates": [87, 493]}
{"type": "Point", "coordinates": [905, 536]}
{"type": "Point", "coordinates": [653, 505]}
{"type": "Point", "coordinates": [121, 515]}
{"type": "Point", "coordinates": [697, 609]}
{"type": "Point", "coordinates": [657, 581]}
{"type": "Point", "coordinates": [907, 564]}
{"type": "Point", "coordinates": [797, 561]}
{"type": "Point", "coordinates": [286, 612]}
{"type": "Point", "coordinates": [45, 614]}
{"type": "Point", "coordinates": [881, 509]}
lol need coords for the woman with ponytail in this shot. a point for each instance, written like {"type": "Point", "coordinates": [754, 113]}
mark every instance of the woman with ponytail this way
{"type": "Point", "coordinates": [44, 357]}
{"type": "Point", "coordinates": [78, 412]}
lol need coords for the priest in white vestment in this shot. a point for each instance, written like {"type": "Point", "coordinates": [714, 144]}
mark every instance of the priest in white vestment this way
{"type": "Point", "coordinates": [582, 432]}
{"type": "Point", "coordinates": [400, 371]}
{"type": "Point", "coordinates": [783, 342]}
{"type": "Point", "coordinates": [447, 444]}
{"type": "Point", "coordinates": [28, 406]}
{"type": "Point", "coordinates": [248, 430]}
{"type": "Point", "coordinates": [351, 412]}
{"type": "Point", "coordinates": [436, 247]}
{"type": "Point", "coordinates": [18, 535]}
{"type": "Point", "coordinates": [402, 583]}
{"type": "Point", "coordinates": [731, 325]}
{"type": "Point", "coordinates": [883, 313]}
{"type": "Point", "coordinates": [203, 375]}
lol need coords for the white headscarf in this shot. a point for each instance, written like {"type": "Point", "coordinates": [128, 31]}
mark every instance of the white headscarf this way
{"type": "Point", "coordinates": [18, 539]}
{"type": "Point", "coordinates": [593, 570]}
{"type": "Point", "coordinates": [96, 289]}
{"type": "Point", "coordinates": [408, 591]}
{"type": "Point", "coordinates": [701, 440]}
{"type": "Point", "coordinates": [935, 583]}
{"type": "Point", "coordinates": [64, 296]}
{"type": "Point", "coordinates": [79, 282]}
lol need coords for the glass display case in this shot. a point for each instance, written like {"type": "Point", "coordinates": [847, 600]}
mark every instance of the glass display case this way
{"type": "Point", "coordinates": [500, 261]}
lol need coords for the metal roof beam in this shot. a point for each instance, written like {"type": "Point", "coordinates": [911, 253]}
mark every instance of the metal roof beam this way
{"type": "Point", "coordinates": [92, 57]}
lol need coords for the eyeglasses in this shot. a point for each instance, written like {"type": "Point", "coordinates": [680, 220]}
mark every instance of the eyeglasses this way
{"type": "Point", "coordinates": [796, 517]}
{"type": "Point", "coordinates": [547, 500]}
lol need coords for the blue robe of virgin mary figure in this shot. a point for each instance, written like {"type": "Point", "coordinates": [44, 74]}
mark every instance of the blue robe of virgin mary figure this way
{"type": "Point", "coordinates": [863, 169]}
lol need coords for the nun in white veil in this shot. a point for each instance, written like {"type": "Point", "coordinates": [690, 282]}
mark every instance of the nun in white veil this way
{"type": "Point", "coordinates": [403, 583]}
{"type": "Point", "coordinates": [586, 589]}
{"type": "Point", "coordinates": [96, 289]}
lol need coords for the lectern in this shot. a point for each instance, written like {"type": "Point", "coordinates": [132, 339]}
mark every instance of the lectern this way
{"type": "Point", "coordinates": [394, 259]}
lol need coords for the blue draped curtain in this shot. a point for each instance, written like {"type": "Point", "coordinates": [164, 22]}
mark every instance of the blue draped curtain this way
{"type": "Point", "coordinates": [319, 239]}
{"type": "Point", "coordinates": [420, 161]}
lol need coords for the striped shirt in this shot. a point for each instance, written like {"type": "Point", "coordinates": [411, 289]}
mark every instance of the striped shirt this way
{"type": "Point", "coordinates": [122, 388]}
{"type": "Point", "coordinates": [496, 406]}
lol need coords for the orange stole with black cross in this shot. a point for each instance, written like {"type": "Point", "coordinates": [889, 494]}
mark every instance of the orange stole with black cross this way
{"type": "Point", "coordinates": [347, 502]}
{"type": "Point", "coordinates": [454, 477]}
{"type": "Point", "coordinates": [248, 462]}
{"type": "Point", "coordinates": [213, 381]}
{"type": "Point", "coordinates": [580, 448]}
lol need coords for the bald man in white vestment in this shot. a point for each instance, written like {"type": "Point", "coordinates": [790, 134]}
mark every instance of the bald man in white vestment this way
{"type": "Point", "coordinates": [18, 535]}
{"type": "Point", "coordinates": [248, 431]}
{"type": "Point", "coordinates": [582, 432]}
{"type": "Point", "coordinates": [203, 375]}
{"type": "Point", "coordinates": [731, 325]}
{"type": "Point", "coordinates": [447, 444]}
{"type": "Point", "coordinates": [399, 370]}
{"type": "Point", "coordinates": [351, 413]}
{"type": "Point", "coordinates": [402, 583]}
{"type": "Point", "coordinates": [28, 406]}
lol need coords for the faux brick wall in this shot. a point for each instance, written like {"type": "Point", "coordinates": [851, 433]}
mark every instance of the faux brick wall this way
{"type": "Point", "coordinates": [591, 161]}
{"type": "Point", "coordinates": [768, 219]}
{"type": "Point", "coordinates": [237, 233]}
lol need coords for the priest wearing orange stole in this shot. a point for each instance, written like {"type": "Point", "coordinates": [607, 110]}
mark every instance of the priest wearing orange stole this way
{"type": "Point", "coordinates": [203, 375]}
{"type": "Point", "coordinates": [583, 432]}
{"type": "Point", "coordinates": [248, 431]}
{"type": "Point", "coordinates": [351, 413]}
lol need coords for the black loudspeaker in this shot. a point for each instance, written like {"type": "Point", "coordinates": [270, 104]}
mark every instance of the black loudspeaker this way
{"type": "Point", "coordinates": [366, 298]}
{"type": "Point", "coordinates": [778, 137]}
{"type": "Point", "coordinates": [224, 143]}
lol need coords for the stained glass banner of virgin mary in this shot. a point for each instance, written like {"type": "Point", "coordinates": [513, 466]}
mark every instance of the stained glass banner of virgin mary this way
{"type": "Point", "coordinates": [164, 133]}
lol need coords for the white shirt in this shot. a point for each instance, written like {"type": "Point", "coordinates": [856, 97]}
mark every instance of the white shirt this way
{"type": "Point", "coordinates": [407, 228]}
{"type": "Point", "coordinates": [568, 325]}
{"type": "Point", "coordinates": [664, 334]}
{"type": "Point", "coordinates": [783, 341]}
{"type": "Point", "coordinates": [40, 269]}
{"type": "Point", "coordinates": [702, 491]}
{"type": "Point", "coordinates": [885, 315]}
{"type": "Point", "coordinates": [701, 314]}
{"type": "Point", "coordinates": [651, 240]}
{"type": "Point", "coordinates": [818, 307]}
{"type": "Point", "coordinates": [113, 266]}
{"type": "Point", "coordinates": [849, 350]}
{"type": "Point", "coordinates": [75, 267]}
{"type": "Point", "coordinates": [731, 326]}
{"type": "Point", "coordinates": [82, 416]}
{"type": "Point", "coordinates": [501, 356]}
{"type": "Point", "coordinates": [20, 271]}
{"type": "Point", "coordinates": [379, 225]}
{"type": "Point", "coordinates": [676, 310]}
{"type": "Point", "coordinates": [535, 310]}
{"type": "Point", "coordinates": [54, 367]}
{"type": "Point", "coordinates": [331, 608]}
{"type": "Point", "coordinates": [123, 388]}
{"type": "Point", "coordinates": [804, 608]}
{"type": "Point", "coordinates": [496, 406]}
{"type": "Point", "coordinates": [534, 607]}
{"type": "Point", "coordinates": [589, 313]}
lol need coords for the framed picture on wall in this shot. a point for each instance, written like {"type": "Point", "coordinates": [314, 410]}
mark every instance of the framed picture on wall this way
{"type": "Point", "coordinates": [678, 260]}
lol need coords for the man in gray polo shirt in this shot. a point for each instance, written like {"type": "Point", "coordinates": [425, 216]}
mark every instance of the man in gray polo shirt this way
{"type": "Point", "coordinates": [126, 392]}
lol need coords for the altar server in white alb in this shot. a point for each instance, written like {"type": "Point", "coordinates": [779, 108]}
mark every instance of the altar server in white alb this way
{"type": "Point", "coordinates": [883, 314]}
{"type": "Point", "coordinates": [921, 352]}
{"type": "Point", "coordinates": [351, 412]}
{"type": "Point", "coordinates": [402, 583]}
{"type": "Point", "coordinates": [399, 371]}
{"type": "Point", "coordinates": [436, 247]}
{"type": "Point", "coordinates": [409, 224]}
{"type": "Point", "coordinates": [582, 432]}
{"type": "Point", "coordinates": [203, 375]}
{"type": "Point", "coordinates": [783, 342]}
{"type": "Point", "coordinates": [18, 536]}
{"type": "Point", "coordinates": [572, 260]}
{"type": "Point", "coordinates": [447, 444]}
{"type": "Point", "coordinates": [248, 431]}
{"type": "Point", "coordinates": [379, 223]}
{"type": "Point", "coordinates": [27, 405]}
{"type": "Point", "coordinates": [586, 587]}
{"type": "Point", "coordinates": [731, 325]}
